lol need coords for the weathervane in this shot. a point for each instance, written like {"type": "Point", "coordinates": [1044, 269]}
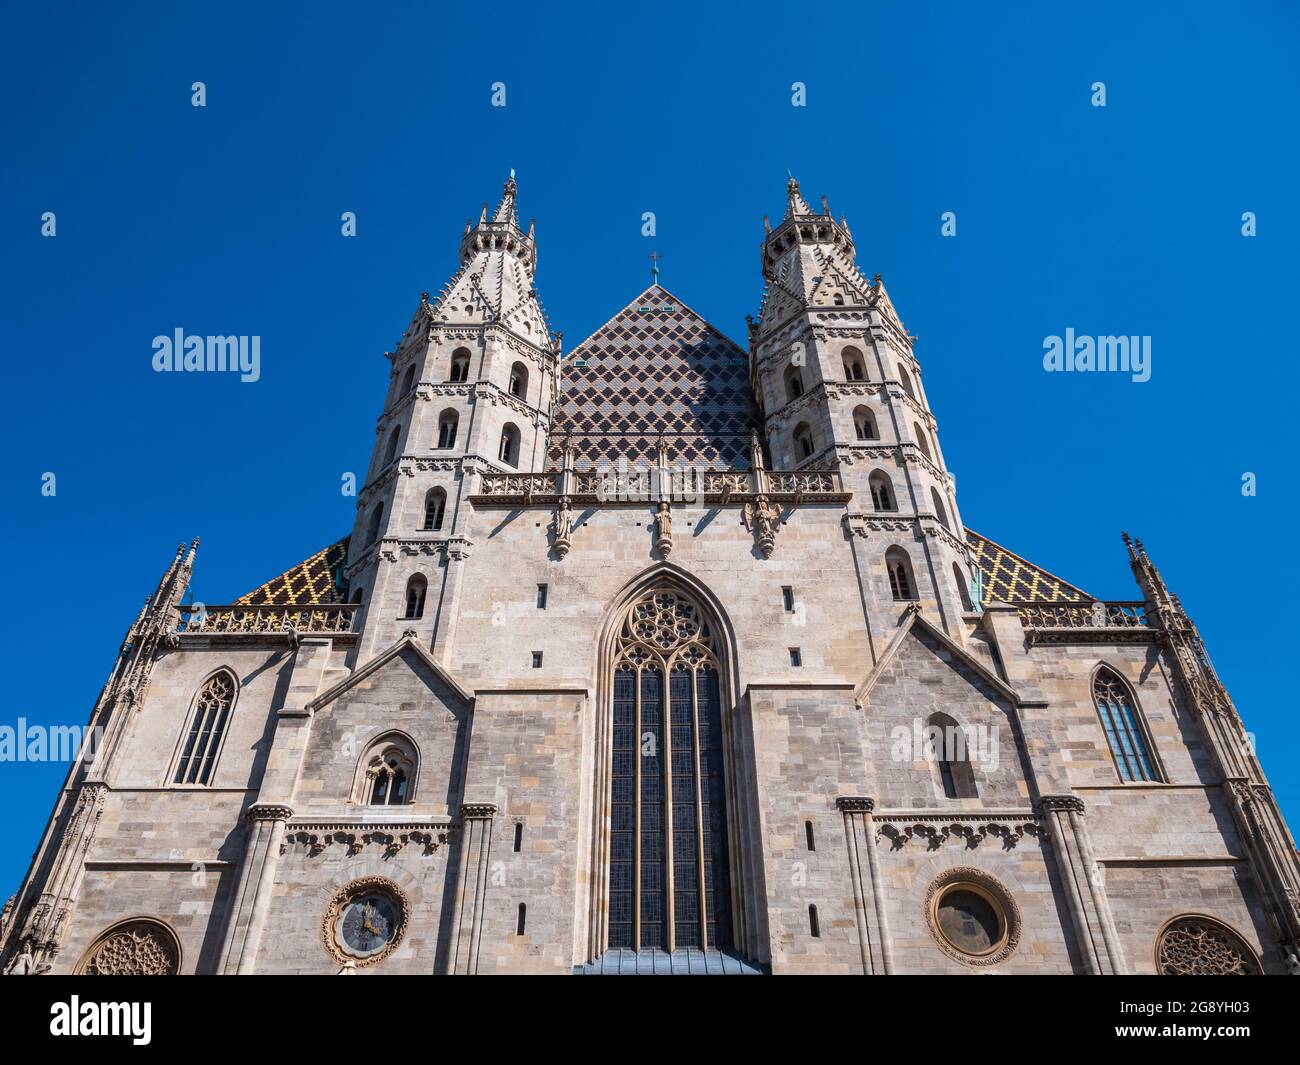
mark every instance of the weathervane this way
{"type": "Point", "coordinates": [654, 258]}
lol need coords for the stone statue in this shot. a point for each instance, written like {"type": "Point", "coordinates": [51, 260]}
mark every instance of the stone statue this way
{"type": "Point", "coordinates": [664, 529]}
{"type": "Point", "coordinates": [763, 519]}
{"type": "Point", "coordinates": [563, 528]}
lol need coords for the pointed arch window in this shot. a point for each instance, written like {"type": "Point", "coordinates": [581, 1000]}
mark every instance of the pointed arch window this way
{"type": "Point", "coordinates": [902, 585]}
{"type": "Point", "coordinates": [962, 589]}
{"type": "Point", "coordinates": [372, 526]}
{"type": "Point", "coordinates": [519, 380]}
{"type": "Point", "coordinates": [416, 588]}
{"type": "Point", "coordinates": [864, 424]}
{"type": "Point", "coordinates": [212, 706]}
{"type": "Point", "coordinates": [921, 441]}
{"type": "Point", "coordinates": [1123, 727]}
{"type": "Point", "coordinates": [947, 748]}
{"type": "Point", "coordinates": [855, 369]}
{"type": "Point", "coordinates": [906, 382]}
{"type": "Point", "coordinates": [448, 422]}
{"type": "Point", "coordinates": [435, 505]}
{"type": "Point", "coordinates": [804, 445]}
{"type": "Point", "coordinates": [388, 772]}
{"type": "Point", "coordinates": [882, 491]}
{"type": "Point", "coordinates": [669, 879]}
{"type": "Point", "coordinates": [390, 453]}
{"type": "Point", "coordinates": [459, 365]}
{"type": "Point", "coordinates": [793, 383]}
{"type": "Point", "coordinates": [509, 450]}
{"type": "Point", "coordinates": [940, 511]}
{"type": "Point", "coordinates": [408, 382]}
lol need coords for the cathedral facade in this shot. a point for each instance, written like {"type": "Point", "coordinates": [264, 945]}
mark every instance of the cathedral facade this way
{"type": "Point", "coordinates": [664, 655]}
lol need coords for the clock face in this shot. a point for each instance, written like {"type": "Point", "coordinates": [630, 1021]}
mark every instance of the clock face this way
{"type": "Point", "coordinates": [367, 924]}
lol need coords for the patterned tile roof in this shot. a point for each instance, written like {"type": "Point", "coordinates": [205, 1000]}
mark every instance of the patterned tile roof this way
{"type": "Point", "coordinates": [656, 366]}
{"type": "Point", "coordinates": [1010, 579]}
{"type": "Point", "coordinates": [316, 580]}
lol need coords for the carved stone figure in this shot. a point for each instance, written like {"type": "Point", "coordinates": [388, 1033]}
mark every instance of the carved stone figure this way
{"type": "Point", "coordinates": [664, 529]}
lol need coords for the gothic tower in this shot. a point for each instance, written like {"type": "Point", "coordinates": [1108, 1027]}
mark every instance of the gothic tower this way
{"type": "Point", "coordinates": [471, 388]}
{"type": "Point", "coordinates": [838, 386]}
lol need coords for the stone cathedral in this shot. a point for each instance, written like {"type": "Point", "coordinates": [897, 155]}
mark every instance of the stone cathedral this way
{"type": "Point", "coordinates": [662, 655]}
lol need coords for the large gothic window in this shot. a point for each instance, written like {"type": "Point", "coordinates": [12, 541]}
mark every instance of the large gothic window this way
{"type": "Point", "coordinates": [207, 728]}
{"type": "Point", "coordinates": [139, 947]}
{"type": "Point", "coordinates": [1124, 732]}
{"type": "Point", "coordinates": [669, 884]}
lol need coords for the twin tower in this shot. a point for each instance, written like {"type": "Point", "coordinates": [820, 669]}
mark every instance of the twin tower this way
{"type": "Point", "coordinates": [829, 386]}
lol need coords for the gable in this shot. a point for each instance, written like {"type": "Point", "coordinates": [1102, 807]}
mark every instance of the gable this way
{"type": "Point", "coordinates": [655, 367]}
{"type": "Point", "coordinates": [924, 676]}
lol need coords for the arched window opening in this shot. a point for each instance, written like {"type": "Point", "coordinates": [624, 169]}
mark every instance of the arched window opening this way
{"type": "Point", "coordinates": [459, 365]}
{"type": "Point", "coordinates": [793, 383]}
{"type": "Point", "coordinates": [947, 748]}
{"type": "Point", "coordinates": [906, 382]}
{"type": "Point", "coordinates": [358, 594]}
{"type": "Point", "coordinates": [408, 382]}
{"type": "Point", "coordinates": [509, 450]}
{"type": "Point", "coordinates": [864, 424]}
{"type": "Point", "coordinates": [415, 591]}
{"type": "Point", "coordinates": [808, 835]}
{"type": "Point", "coordinates": [388, 772]}
{"type": "Point", "coordinates": [372, 526]}
{"type": "Point", "coordinates": [921, 441]}
{"type": "Point", "coordinates": [139, 947]}
{"type": "Point", "coordinates": [1123, 727]}
{"type": "Point", "coordinates": [962, 589]}
{"type": "Point", "coordinates": [207, 729]}
{"type": "Point", "coordinates": [804, 445]}
{"type": "Point", "coordinates": [940, 511]}
{"type": "Point", "coordinates": [390, 453]}
{"type": "Point", "coordinates": [855, 368]}
{"type": "Point", "coordinates": [519, 380]}
{"type": "Point", "coordinates": [882, 491]}
{"type": "Point", "coordinates": [668, 781]}
{"type": "Point", "coordinates": [902, 586]}
{"type": "Point", "coordinates": [814, 926]}
{"type": "Point", "coordinates": [521, 919]}
{"type": "Point", "coordinates": [435, 503]}
{"type": "Point", "coordinates": [448, 423]}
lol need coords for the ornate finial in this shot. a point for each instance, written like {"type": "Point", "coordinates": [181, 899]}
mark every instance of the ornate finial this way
{"type": "Point", "coordinates": [825, 209]}
{"type": "Point", "coordinates": [654, 258]}
{"type": "Point", "coordinates": [424, 297]}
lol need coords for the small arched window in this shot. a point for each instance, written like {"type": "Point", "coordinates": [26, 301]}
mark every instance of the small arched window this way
{"type": "Point", "coordinates": [962, 589]}
{"type": "Point", "coordinates": [212, 706]}
{"type": "Point", "coordinates": [408, 382]}
{"type": "Point", "coordinates": [1123, 726]}
{"type": "Point", "coordinates": [394, 438]}
{"type": "Point", "coordinates": [864, 424]}
{"type": "Point", "coordinates": [921, 441]}
{"type": "Point", "coordinates": [906, 382]}
{"type": "Point", "coordinates": [804, 447]}
{"type": "Point", "coordinates": [388, 772]}
{"type": "Point", "coordinates": [793, 383]}
{"type": "Point", "coordinates": [940, 511]}
{"type": "Point", "coordinates": [519, 380]}
{"type": "Point", "coordinates": [509, 450]}
{"type": "Point", "coordinates": [415, 591]}
{"type": "Point", "coordinates": [809, 838]}
{"type": "Point", "coordinates": [372, 526]}
{"type": "Point", "coordinates": [435, 503]}
{"type": "Point", "coordinates": [459, 365]}
{"type": "Point", "coordinates": [855, 369]}
{"type": "Point", "coordinates": [882, 491]}
{"type": "Point", "coordinates": [902, 586]}
{"type": "Point", "coordinates": [946, 747]}
{"type": "Point", "coordinates": [448, 422]}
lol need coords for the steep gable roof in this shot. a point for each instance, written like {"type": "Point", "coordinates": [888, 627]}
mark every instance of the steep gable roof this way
{"type": "Point", "coordinates": [316, 580]}
{"type": "Point", "coordinates": [655, 366]}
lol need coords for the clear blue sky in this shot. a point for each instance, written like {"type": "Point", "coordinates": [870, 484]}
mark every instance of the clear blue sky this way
{"type": "Point", "coordinates": [226, 220]}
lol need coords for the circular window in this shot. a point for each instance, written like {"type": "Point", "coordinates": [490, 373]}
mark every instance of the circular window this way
{"type": "Point", "coordinates": [365, 921]}
{"type": "Point", "coordinates": [1201, 946]}
{"type": "Point", "coordinates": [972, 917]}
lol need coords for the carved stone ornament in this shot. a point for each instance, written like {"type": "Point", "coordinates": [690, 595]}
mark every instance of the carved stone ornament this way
{"type": "Point", "coordinates": [991, 894]}
{"type": "Point", "coordinates": [563, 528]}
{"type": "Point", "coordinates": [763, 519]}
{"type": "Point", "coordinates": [1201, 946]}
{"type": "Point", "coordinates": [134, 948]}
{"type": "Point", "coordinates": [397, 909]}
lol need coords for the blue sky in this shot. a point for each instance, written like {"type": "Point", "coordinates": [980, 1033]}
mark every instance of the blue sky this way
{"type": "Point", "coordinates": [1124, 219]}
